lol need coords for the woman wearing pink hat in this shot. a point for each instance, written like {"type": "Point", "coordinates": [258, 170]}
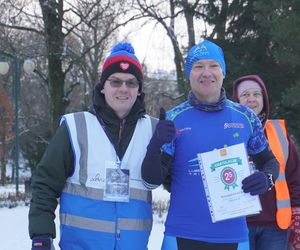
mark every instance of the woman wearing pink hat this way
{"type": "Point", "coordinates": [280, 206]}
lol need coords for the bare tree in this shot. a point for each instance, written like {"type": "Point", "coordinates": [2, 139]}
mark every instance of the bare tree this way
{"type": "Point", "coordinates": [203, 18]}
{"type": "Point", "coordinates": [68, 40]}
{"type": "Point", "coordinates": [6, 133]}
{"type": "Point", "coordinates": [164, 13]}
{"type": "Point", "coordinates": [64, 27]}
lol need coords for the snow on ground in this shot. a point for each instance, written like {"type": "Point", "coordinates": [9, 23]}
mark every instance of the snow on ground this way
{"type": "Point", "coordinates": [14, 225]}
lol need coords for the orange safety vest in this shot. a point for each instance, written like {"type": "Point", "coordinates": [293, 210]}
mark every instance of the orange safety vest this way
{"type": "Point", "coordinates": [277, 138]}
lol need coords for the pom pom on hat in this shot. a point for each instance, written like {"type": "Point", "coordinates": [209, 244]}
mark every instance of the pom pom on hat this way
{"type": "Point", "coordinates": [123, 46]}
{"type": "Point", "coordinates": [203, 51]}
{"type": "Point", "coordinates": [122, 59]}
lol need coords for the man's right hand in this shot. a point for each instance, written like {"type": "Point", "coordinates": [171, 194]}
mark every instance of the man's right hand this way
{"type": "Point", "coordinates": [42, 243]}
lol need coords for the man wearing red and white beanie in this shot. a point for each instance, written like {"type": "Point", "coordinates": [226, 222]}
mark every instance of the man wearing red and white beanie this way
{"type": "Point", "coordinates": [122, 59]}
{"type": "Point", "coordinates": [93, 165]}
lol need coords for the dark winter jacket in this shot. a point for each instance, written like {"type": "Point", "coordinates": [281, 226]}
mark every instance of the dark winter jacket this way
{"type": "Point", "coordinates": [267, 216]}
{"type": "Point", "coordinates": [56, 164]}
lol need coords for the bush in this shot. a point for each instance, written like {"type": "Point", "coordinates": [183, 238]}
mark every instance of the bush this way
{"type": "Point", "coordinates": [12, 200]}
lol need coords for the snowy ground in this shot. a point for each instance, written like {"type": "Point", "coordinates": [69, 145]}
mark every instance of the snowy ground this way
{"type": "Point", "coordinates": [14, 224]}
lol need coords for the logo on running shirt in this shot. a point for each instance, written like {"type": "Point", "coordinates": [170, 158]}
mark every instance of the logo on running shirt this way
{"type": "Point", "coordinates": [233, 125]}
{"type": "Point", "coordinates": [183, 130]}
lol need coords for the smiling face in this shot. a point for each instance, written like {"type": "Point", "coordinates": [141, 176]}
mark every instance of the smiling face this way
{"type": "Point", "coordinates": [251, 97]}
{"type": "Point", "coordinates": [121, 98]}
{"type": "Point", "coordinates": [206, 80]}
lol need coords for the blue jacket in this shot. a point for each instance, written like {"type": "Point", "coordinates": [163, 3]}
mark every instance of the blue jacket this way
{"type": "Point", "coordinates": [201, 131]}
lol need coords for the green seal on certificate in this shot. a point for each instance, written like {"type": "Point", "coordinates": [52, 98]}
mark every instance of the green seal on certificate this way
{"type": "Point", "coordinates": [222, 171]}
{"type": "Point", "coordinates": [229, 177]}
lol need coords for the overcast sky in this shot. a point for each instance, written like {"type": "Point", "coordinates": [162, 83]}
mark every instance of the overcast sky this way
{"type": "Point", "coordinates": [152, 46]}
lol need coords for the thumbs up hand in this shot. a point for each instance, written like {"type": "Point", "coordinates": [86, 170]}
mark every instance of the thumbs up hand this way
{"type": "Point", "coordinates": [162, 114]}
{"type": "Point", "coordinates": [164, 132]}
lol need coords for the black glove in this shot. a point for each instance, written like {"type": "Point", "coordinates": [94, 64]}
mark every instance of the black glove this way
{"type": "Point", "coordinates": [164, 133]}
{"type": "Point", "coordinates": [41, 243]}
{"type": "Point", "coordinates": [256, 183]}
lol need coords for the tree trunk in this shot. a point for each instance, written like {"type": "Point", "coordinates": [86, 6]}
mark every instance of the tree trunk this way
{"type": "Point", "coordinates": [3, 172]}
{"type": "Point", "coordinates": [52, 16]}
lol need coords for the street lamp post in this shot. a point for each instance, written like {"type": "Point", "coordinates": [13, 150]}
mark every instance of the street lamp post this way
{"type": "Point", "coordinates": [28, 66]}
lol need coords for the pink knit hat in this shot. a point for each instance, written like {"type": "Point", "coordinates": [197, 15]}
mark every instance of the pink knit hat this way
{"type": "Point", "coordinates": [247, 84]}
{"type": "Point", "coordinates": [262, 85]}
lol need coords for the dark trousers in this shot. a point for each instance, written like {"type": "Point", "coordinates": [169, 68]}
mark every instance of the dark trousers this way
{"type": "Point", "coordinates": [187, 244]}
{"type": "Point", "coordinates": [268, 238]}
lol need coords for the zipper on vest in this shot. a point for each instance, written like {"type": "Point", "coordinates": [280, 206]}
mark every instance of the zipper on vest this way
{"type": "Point", "coordinates": [118, 231]}
{"type": "Point", "coordinates": [121, 128]}
{"type": "Point", "coordinates": [118, 234]}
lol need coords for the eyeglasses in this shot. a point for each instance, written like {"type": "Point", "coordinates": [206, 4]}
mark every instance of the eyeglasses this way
{"type": "Point", "coordinates": [117, 83]}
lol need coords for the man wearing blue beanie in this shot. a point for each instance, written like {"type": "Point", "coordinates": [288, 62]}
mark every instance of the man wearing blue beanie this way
{"type": "Point", "coordinates": [205, 122]}
{"type": "Point", "coordinates": [205, 50]}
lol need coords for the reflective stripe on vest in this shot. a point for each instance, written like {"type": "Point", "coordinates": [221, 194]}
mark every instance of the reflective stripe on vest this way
{"type": "Point", "coordinates": [97, 194]}
{"type": "Point", "coordinates": [83, 145]}
{"type": "Point", "coordinates": [277, 137]}
{"type": "Point", "coordinates": [104, 225]}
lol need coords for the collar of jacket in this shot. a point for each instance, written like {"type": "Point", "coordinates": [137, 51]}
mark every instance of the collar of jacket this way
{"type": "Point", "coordinates": [205, 106]}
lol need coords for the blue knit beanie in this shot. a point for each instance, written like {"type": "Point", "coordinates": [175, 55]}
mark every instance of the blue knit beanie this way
{"type": "Point", "coordinates": [202, 51]}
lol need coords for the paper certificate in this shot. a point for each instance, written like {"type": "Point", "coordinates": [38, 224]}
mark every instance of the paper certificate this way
{"type": "Point", "coordinates": [222, 171]}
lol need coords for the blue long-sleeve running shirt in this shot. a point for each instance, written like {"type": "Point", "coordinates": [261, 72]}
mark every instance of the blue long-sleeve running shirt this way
{"type": "Point", "coordinates": [199, 131]}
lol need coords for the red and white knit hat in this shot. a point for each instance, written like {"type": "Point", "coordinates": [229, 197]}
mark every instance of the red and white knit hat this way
{"type": "Point", "coordinates": [122, 59]}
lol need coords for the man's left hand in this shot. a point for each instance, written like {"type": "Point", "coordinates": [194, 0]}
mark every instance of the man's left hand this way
{"type": "Point", "coordinates": [256, 183]}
